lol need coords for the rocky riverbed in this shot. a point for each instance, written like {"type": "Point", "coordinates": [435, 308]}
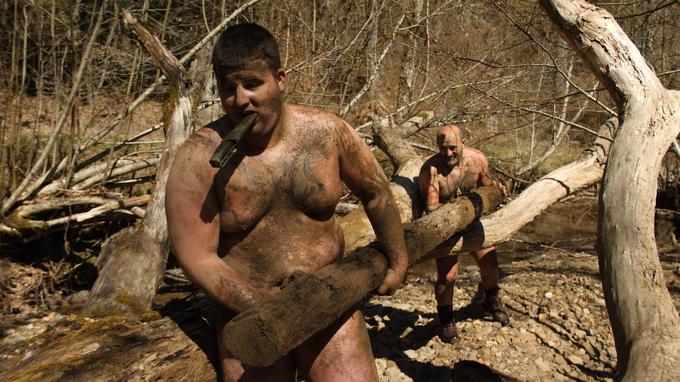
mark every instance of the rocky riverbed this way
{"type": "Point", "coordinates": [559, 328]}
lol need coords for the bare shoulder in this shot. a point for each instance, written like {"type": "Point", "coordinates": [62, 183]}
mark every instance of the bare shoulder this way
{"type": "Point", "coordinates": [310, 117]}
{"type": "Point", "coordinates": [191, 167]}
{"type": "Point", "coordinates": [314, 124]}
{"type": "Point", "coordinates": [202, 142]}
{"type": "Point", "coordinates": [432, 161]}
{"type": "Point", "coordinates": [475, 158]}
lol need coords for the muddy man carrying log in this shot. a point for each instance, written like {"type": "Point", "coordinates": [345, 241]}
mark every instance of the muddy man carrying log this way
{"type": "Point", "coordinates": [311, 301]}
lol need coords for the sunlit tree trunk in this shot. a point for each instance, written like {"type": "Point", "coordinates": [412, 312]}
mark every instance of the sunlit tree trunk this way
{"type": "Point", "coordinates": [644, 321]}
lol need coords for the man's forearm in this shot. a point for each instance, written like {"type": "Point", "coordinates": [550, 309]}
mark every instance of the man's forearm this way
{"type": "Point", "coordinates": [384, 216]}
{"type": "Point", "coordinates": [224, 285]}
{"type": "Point", "coordinates": [432, 202]}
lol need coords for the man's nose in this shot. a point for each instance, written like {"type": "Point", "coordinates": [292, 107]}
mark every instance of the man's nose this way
{"type": "Point", "coordinates": [241, 97]}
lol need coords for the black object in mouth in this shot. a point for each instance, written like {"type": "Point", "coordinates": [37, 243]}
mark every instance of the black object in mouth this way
{"type": "Point", "coordinates": [226, 148]}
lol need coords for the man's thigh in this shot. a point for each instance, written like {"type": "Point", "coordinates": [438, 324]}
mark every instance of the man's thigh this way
{"type": "Point", "coordinates": [231, 369]}
{"type": "Point", "coordinates": [341, 352]}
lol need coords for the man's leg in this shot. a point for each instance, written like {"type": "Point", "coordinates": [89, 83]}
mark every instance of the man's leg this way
{"type": "Point", "coordinates": [340, 353]}
{"type": "Point", "coordinates": [232, 370]}
{"type": "Point", "coordinates": [487, 261]}
{"type": "Point", "coordinates": [447, 273]}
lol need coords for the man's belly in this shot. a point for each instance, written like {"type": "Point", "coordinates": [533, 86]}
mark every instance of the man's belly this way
{"type": "Point", "coordinates": [280, 244]}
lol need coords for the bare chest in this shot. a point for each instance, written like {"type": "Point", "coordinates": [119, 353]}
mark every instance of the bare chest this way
{"type": "Point", "coordinates": [459, 181]}
{"type": "Point", "coordinates": [290, 178]}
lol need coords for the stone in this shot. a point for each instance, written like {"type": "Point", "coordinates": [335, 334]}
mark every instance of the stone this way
{"type": "Point", "coordinates": [406, 332]}
{"type": "Point", "coordinates": [544, 366]}
{"type": "Point", "coordinates": [578, 333]}
{"type": "Point", "coordinates": [574, 359]}
{"type": "Point", "coordinates": [412, 354]}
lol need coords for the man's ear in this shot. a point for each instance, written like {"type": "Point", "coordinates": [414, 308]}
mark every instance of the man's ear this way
{"type": "Point", "coordinates": [281, 79]}
{"type": "Point", "coordinates": [465, 141]}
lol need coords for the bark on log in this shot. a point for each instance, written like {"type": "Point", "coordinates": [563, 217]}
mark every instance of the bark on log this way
{"type": "Point", "coordinates": [261, 335]}
{"type": "Point", "coordinates": [20, 224]}
{"type": "Point", "coordinates": [117, 349]}
{"type": "Point", "coordinates": [406, 162]}
{"type": "Point", "coordinates": [96, 174]}
{"type": "Point", "coordinates": [644, 321]}
{"type": "Point", "coordinates": [127, 281]}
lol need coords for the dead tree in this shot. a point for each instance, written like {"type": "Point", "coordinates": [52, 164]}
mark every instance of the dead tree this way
{"type": "Point", "coordinates": [118, 348]}
{"type": "Point", "coordinates": [644, 321]}
{"type": "Point", "coordinates": [132, 262]}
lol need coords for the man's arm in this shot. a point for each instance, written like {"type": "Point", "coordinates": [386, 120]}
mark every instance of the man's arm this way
{"type": "Point", "coordinates": [429, 187]}
{"type": "Point", "coordinates": [484, 178]}
{"type": "Point", "coordinates": [193, 224]}
{"type": "Point", "coordinates": [360, 171]}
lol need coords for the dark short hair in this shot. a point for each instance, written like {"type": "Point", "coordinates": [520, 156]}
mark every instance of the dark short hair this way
{"type": "Point", "coordinates": [243, 43]}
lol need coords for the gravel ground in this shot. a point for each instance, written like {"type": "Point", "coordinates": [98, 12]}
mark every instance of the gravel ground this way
{"type": "Point", "coordinates": [559, 329]}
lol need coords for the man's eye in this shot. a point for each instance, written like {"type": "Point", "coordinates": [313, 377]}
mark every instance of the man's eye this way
{"type": "Point", "coordinates": [252, 84]}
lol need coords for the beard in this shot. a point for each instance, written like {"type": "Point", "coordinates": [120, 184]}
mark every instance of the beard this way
{"type": "Point", "coordinates": [452, 161]}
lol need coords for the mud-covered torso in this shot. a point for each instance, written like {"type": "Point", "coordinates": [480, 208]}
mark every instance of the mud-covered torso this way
{"type": "Point", "coordinates": [277, 206]}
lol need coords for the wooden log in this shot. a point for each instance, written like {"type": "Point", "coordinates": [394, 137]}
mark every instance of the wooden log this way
{"type": "Point", "coordinates": [115, 348]}
{"type": "Point", "coordinates": [22, 225]}
{"type": "Point", "coordinates": [261, 335]}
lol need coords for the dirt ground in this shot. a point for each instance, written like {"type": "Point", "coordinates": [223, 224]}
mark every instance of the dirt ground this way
{"type": "Point", "coordinates": [559, 328]}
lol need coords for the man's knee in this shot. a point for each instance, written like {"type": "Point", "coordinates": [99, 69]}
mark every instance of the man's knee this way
{"type": "Point", "coordinates": [342, 351]}
{"type": "Point", "coordinates": [448, 279]}
{"type": "Point", "coordinates": [484, 252]}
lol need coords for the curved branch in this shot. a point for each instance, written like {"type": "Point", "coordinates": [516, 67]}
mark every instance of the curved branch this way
{"type": "Point", "coordinates": [644, 321]}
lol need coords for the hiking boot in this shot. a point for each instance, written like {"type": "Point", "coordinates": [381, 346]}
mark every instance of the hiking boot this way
{"type": "Point", "coordinates": [492, 303]}
{"type": "Point", "coordinates": [448, 333]}
{"type": "Point", "coordinates": [447, 325]}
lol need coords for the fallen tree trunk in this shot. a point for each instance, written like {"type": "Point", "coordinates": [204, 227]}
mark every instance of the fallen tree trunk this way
{"type": "Point", "coordinates": [127, 281]}
{"type": "Point", "coordinates": [117, 349]}
{"type": "Point", "coordinates": [261, 335]}
{"type": "Point", "coordinates": [644, 321]}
